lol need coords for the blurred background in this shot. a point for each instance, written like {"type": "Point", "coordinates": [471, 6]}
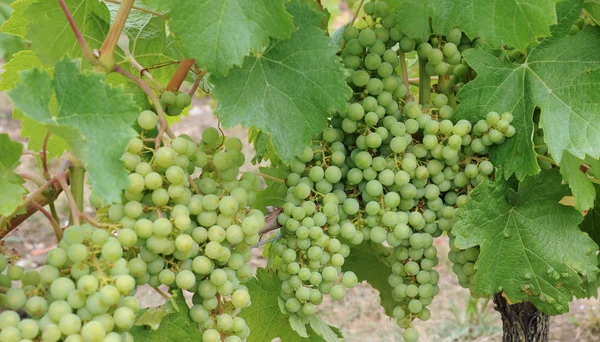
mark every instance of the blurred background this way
{"type": "Point", "coordinates": [455, 315]}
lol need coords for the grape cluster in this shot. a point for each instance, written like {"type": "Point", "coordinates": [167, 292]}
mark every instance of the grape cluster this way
{"type": "Point", "coordinates": [84, 292]}
{"type": "Point", "coordinates": [192, 234]}
{"type": "Point", "coordinates": [464, 264]}
{"type": "Point", "coordinates": [386, 171]}
{"type": "Point", "coordinates": [173, 103]}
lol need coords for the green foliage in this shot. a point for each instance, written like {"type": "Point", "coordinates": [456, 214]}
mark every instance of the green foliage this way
{"type": "Point", "coordinates": [11, 185]}
{"type": "Point", "coordinates": [274, 193]}
{"type": "Point", "coordinates": [591, 223]}
{"type": "Point", "coordinates": [229, 29]}
{"type": "Point", "coordinates": [557, 76]}
{"type": "Point", "coordinates": [299, 82]}
{"type": "Point", "coordinates": [170, 322]}
{"type": "Point", "coordinates": [78, 118]}
{"type": "Point", "coordinates": [526, 239]}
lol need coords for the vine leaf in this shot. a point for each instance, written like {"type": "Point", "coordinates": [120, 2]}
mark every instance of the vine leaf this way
{"type": "Point", "coordinates": [149, 43]}
{"type": "Point", "coordinates": [226, 38]}
{"type": "Point", "coordinates": [275, 192]}
{"type": "Point", "coordinates": [531, 249]}
{"type": "Point", "coordinates": [514, 23]}
{"type": "Point", "coordinates": [30, 129]}
{"type": "Point", "coordinates": [16, 25]}
{"type": "Point", "coordinates": [289, 90]}
{"type": "Point", "coordinates": [561, 76]}
{"type": "Point", "coordinates": [581, 186]}
{"type": "Point", "coordinates": [51, 35]}
{"type": "Point", "coordinates": [264, 316]}
{"type": "Point", "coordinates": [81, 118]}
{"type": "Point", "coordinates": [263, 147]}
{"type": "Point", "coordinates": [171, 323]}
{"type": "Point", "coordinates": [369, 262]}
{"type": "Point", "coordinates": [11, 185]}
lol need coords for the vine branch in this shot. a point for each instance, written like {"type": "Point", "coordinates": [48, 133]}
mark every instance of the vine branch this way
{"type": "Point", "coordinates": [55, 226]}
{"type": "Point", "coordinates": [85, 49]}
{"type": "Point", "coordinates": [107, 50]}
{"type": "Point", "coordinates": [271, 222]}
{"type": "Point", "coordinates": [72, 203]}
{"type": "Point", "coordinates": [180, 74]}
{"type": "Point", "coordinates": [424, 83]}
{"type": "Point", "coordinates": [402, 57]}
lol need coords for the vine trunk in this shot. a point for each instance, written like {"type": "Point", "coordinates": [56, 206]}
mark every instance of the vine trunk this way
{"type": "Point", "coordinates": [522, 322]}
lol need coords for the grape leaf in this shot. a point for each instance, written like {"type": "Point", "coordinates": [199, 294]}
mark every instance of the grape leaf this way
{"type": "Point", "coordinates": [51, 35]}
{"type": "Point", "coordinates": [11, 185]}
{"type": "Point", "coordinates": [581, 186]}
{"type": "Point", "coordinates": [264, 317]}
{"type": "Point", "coordinates": [531, 246]}
{"type": "Point", "coordinates": [514, 23]}
{"type": "Point", "coordinates": [148, 43]}
{"type": "Point", "coordinates": [175, 325]}
{"type": "Point", "coordinates": [275, 192]}
{"type": "Point", "coordinates": [567, 12]}
{"type": "Point", "coordinates": [17, 23]}
{"type": "Point", "coordinates": [289, 90]}
{"type": "Point", "coordinates": [30, 129]}
{"type": "Point", "coordinates": [263, 147]}
{"type": "Point", "coordinates": [369, 262]}
{"type": "Point", "coordinates": [593, 8]}
{"type": "Point", "coordinates": [591, 223]}
{"type": "Point", "coordinates": [561, 76]}
{"type": "Point", "coordinates": [9, 44]}
{"type": "Point", "coordinates": [229, 29]}
{"type": "Point", "coordinates": [80, 118]}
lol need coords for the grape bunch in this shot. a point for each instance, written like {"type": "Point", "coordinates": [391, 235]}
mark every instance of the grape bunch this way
{"type": "Point", "coordinates": [84, 292]}
{"type": "Point", "coordinates": [386, 171]}
{"type": "Point", "coordinates": [174, 103]}
{"type": "Point", "coordinates": [187, 233]}
{"type": "Point", "coordinates": [317, 228]}
{"type": "Point", "coordinates": [464, 264]}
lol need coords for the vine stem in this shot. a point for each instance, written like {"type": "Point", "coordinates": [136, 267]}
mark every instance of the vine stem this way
{"type": "Point", "coordinates": [162, 294]}
{"type": "Point", "coordinates": [38, 197]}
{"type": "Point", "coordinates": [549, 160]}
{"type": "Point", "coordinates": [107, 50]}
{"type": "Point", "coordinates": [164, 126]}
{"type": "Point", "coordinates": [262, 243]}
{"type": "Point", "coordinates": [593, 180]}
{"type": "Point", "coordinates": [55, 226]}
{"type": "Point", "coordinates": [145, 10]}
{"type": "Point", "coordinates": [77, 187]}
{"type": "Point", "coordinates": [72, 203]}
{"type": "Point", "coordinates": [405, 79]}
{"type": "Point", "coordinates": [444, 86]}
{"type": "Point", "coordinates": [271, 222]}
{"type": "Point", "coordinates": [85, 49]}
{"type": "Point", "coordinates": [180, 74]}
{"type": "Point", "coordinates": [93, 222]}
{"type": "Point", "coordinates": [278, 180]}
{"type": "Point", "coordinates": [34, 177]}
{"type": "Point", "coordinates": [44, 155]}
{"type": "Point", "coordinates": [199, 77]}
{"type": "Point", "coordinates": [424, 83]}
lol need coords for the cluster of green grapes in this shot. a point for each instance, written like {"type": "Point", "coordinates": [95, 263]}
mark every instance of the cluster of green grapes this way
{"type": "Point", "coordinates": [316, 216]}
{"type": "Point", "coordinates": [191, 236]}
{"type": "Point", "coordinates": [385, 170]}
{"type": "Point", "coordinates": [464, 264]}
{"type": "Point", "coordinates": [84, 292]}
{"type": "Point", "coordinates": [173, 103]}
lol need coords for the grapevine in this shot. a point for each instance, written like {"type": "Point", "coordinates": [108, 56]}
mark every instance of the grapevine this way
{"type": "Point", "coordinates": [409, 126]}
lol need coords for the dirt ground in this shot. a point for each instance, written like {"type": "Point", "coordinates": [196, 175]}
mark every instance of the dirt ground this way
{"type": "Point", "coordinates": [455, 315]}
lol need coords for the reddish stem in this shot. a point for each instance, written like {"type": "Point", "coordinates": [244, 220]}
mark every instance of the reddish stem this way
{"type": "Point", "coordinates": [45, 155]}
{"type": "Point", "coordinates": [180, 74]}
{"type": "Point", "coordinates": [55, 226]}
{"type": "Point", "coordinates": [85, 49]}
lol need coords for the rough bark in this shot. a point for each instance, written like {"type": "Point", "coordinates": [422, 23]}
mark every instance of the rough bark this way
{"type": "Point", "coordinates": [522, 322]}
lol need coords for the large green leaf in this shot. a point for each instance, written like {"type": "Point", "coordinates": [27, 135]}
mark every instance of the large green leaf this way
{"type": "Point", "coordinates": [510, 22]}
{"type": "Point", "coordinates": [17, 23]}
{"type": "Point", "coordinates": [220, 33]}
{"type": "Point", "coordinates": [561, 76]}
{"type": "Point", "coordinates": [289, 90]}
{"type": "Point", "coordinates": [581, 185]}
{"type": "Point", "coordinates": [264, 317]}
{"type": "Point", "coordinates": [370, 263]}
{"type": "Point", "coordinates": [593, 8]}
{"type": "Point", "coordinates": [51, 35]}
{"type": "Point", "coordinates": [9, 44]}
{"type": "Point", "coordinates": [92, 117]}
{"type": "Point", "coordinates": [169, 323]}
{"type": "Point", "coordinates": [531, 246]}
{"type": "Point", "coordinates": [11, 185]}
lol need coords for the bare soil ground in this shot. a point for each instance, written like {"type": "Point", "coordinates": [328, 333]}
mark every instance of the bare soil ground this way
{"type": "Point", "coordinates": [455, 315]}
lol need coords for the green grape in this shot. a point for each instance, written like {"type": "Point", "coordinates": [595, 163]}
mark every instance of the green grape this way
{"type": "Point", "coordinates": [360, 78]}
{"type": "Point", "coordinates": [410, 335]}
{"type": "Point", "coordinates": [337, 292]}
{"type": "Point", "coordinates": [450, 49]}
{"type": "Point", "coordinates": [147, 120]}
{"type": "Point", "coordinates": [240, 298]}
{"type": "Point", "coordinates": [367, 37]}
{"type": "Point", "coordinates": [435, 56]}
{"type": "Point", "coordinates": [169, 98]}
{"type": "Point", "coordinates": [407, 44]}
{"type": "Point", "coordinates": [372, 61]}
